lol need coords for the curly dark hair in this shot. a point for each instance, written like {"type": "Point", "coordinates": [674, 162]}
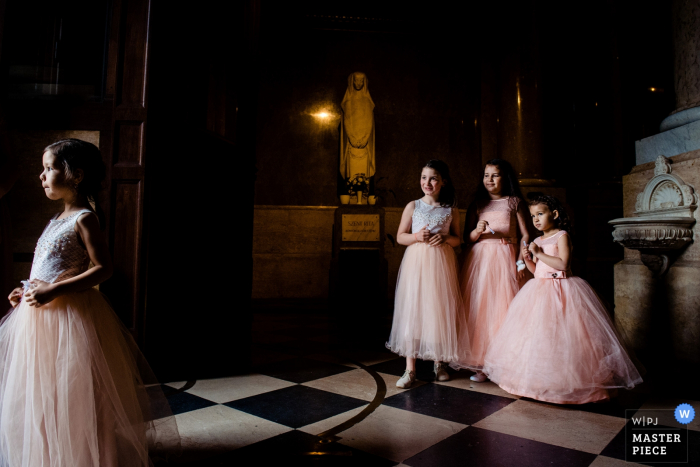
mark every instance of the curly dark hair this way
{"type": "Point", "coordinates": [448, 196]}
{"type": "Point", "coordinates": [563, 222]}
{"type": "Point", "coordinates": [510, 185]}
{"type": "Point", "coordinates": [75, 154]}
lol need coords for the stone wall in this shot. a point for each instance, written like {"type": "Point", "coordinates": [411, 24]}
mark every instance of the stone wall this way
{"type": "Point", "coordinates": [292, 251]}
{"type": "Point", "coordinates": [660, 316]}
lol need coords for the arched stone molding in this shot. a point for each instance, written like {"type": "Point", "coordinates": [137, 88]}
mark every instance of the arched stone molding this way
{"type": "Point", "coordinates": [663, 219]}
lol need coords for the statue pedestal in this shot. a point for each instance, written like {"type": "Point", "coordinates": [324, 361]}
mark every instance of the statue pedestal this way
{"type": "Point", "coordinates": [358, 271]}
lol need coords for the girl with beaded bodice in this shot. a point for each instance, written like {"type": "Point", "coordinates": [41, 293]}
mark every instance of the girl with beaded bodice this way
{"type": "Point", "coordinates": [72, 380]}
{"type": "Point", "coordinates": [59, 254]}
{"type": "Point", "coordinates": [557, 343]}
{"type": "Point", "coordinates": [490, 276]}
{"type": "Point", "coordinates": [428, 320]}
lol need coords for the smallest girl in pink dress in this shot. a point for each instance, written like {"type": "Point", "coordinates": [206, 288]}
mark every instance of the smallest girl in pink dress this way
{"type": "Point", "coordinates": [557, 343]}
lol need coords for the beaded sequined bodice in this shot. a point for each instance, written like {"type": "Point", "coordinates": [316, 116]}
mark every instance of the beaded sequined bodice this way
{"type": "Point", "coordinates": [59, 255]}
{"type": "Point", "coordinates": [550, 246]}
{"type": "Point", "coordinates": [437, 218]}
{"type": "Point", "coordinates": [501, 214]}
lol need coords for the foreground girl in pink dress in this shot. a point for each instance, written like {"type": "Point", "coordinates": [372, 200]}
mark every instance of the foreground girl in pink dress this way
{"type": "Point", "coordinates": [72, 381]}
{"type": "Point", "coordinates": [428, 320]}
{"type": "Point", "coordinates": [557, 343]}
{"type": "Point", "coordinates": [490, 276]}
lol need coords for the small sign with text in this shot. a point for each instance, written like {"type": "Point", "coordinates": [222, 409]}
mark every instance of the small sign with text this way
{"type": "Point", "coordinates": [360, 228]}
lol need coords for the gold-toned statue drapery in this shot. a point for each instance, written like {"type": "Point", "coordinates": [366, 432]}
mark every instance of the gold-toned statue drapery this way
{"type": "Point", "coordinates": [357, 129]}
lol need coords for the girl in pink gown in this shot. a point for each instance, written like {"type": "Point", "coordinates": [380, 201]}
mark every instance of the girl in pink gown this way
{"type": "Point", "coordinates": [490, 276]}
{"type": "Point", "coordinates": [428, 320]}
{"type": "Point", "coordinates": [557, 343]}
{"type": "Point", "coordinates": [72, 381]}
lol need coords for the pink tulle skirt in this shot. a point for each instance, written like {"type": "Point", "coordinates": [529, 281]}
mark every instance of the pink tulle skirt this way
{"type": "Point", "coordinates": [428, 319]}
{"type": "Point", "coordinates": [73, 389]}
{"type": "Point", "coordinates": [559, 345]}
{"type": "Point", "coordinates": [488, 283]}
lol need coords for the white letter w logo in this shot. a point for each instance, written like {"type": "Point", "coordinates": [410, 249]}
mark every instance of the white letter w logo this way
{"type": "Point", "coordinates": [684, 413]}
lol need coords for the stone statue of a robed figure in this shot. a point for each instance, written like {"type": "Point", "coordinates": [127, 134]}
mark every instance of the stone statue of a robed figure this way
{"type": "Point", "coordinates": [357, 130]}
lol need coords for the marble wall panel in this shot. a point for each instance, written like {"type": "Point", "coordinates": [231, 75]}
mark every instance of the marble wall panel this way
{"type": "Point", "coordinates": [659, 316]}
{"type": "Point", "coordinates": [292, 248]}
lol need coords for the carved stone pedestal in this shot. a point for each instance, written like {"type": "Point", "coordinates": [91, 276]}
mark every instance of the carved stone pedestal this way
{"type": "Point", "coordinates": [359, 272]}
{"type": "Point", "coordinates": [657, 297]}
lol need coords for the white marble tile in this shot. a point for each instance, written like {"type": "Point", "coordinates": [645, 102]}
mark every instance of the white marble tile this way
{"type": "Point", "coordinates": [358, 384]}
{"type": "Point", "coordinates": [327, 424]}
{"type": "Point", "coordinates": [220, 428]}
{"type": "Point", "coordinates": [604, 461]}
{"type": "Point", "coordinates": [397, 434]}
{"type": "Point", "coordinates": [557, 425]}
{"type": "Point", "coordinates": [667, 417]}
{"type": "Point", "coordinates": [223, 390]}
{"type": "Point", "coordinates": [461, 380]}
{"type": "Point", "coordinates": [369, 358]}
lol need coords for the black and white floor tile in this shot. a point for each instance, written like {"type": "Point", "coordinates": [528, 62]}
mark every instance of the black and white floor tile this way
{"type": "Point", "coordinates": [304, 386]}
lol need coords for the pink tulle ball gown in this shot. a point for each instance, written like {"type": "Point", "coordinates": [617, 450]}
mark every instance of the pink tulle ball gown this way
{"type": "Point", "coordinates": [558, 343]}
{"type": "Point", "coordinates": [72, 381]}
{"type": "Point", "coordinates": [428, 320]}
{"type": "Point", "coordinates": [488, 278]}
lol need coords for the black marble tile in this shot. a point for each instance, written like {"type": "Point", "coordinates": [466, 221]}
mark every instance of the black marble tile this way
{"type": "Point", "coordinates": [447, 403]}
{"type": "Point", "coordinates": [301, 370]}
{"type": "Point", "coordinates": [182, 402]}
{"type": "Point", "coordinates": [616, 447]}
{"type": "Point", "coordinates": [295, 449]}
{"type": "Point", "coordinates": [478, 447]}
{"type": "Point", "coordinates": [296, 406]}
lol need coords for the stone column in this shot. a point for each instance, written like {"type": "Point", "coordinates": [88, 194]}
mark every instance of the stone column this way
{"type": "Point", "coordinates": [520, 116]}
{"type": "Point", "coordinates": [686, 45]}
{"type": "Point", "coordinates": [658, 314]}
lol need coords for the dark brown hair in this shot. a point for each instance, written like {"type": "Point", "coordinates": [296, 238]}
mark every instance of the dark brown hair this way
{"type": "Point", "coordinates": [448, 196]}
{"type": "Point", "coordinates": [75, 154]}
{"type": "Point", "coordinates": [510, 185]}
{"type": "Point", "coordinates": [563, 222]}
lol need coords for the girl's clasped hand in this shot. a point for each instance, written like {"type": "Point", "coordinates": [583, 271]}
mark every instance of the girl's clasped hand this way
{"type": "Point", "coordinates": [424, 236]}
{"type": "Point", "coordinates": [39, 293]}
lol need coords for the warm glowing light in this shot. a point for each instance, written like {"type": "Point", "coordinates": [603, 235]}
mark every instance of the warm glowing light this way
{"type": "Point", "coordinates": [652, 89]}
{"type": "Point", "coordinates": [322, 115]}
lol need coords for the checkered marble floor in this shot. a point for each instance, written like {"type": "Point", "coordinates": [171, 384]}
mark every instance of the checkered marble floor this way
{"type": "Point", "coordinates": [304, 384]}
